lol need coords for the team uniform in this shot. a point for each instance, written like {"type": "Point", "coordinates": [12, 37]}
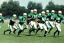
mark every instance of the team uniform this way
{"type": "Point", "coordinates": [42, 24]}
{"type": "Point", "coordinates": [26, 23]}
{"type": "Point", "coordinates": [58, 24]}
{"type": "Point", "coordinates": [11, 26]}
{"type": "Point", "coordinates": [30, 16]}
{"type": "Point", "coordinates": [22, 20]}
{"type": "Point", "coordinates": [51, 18]}
{"type": "Point", "coordinates": [33, 24]}
{"type": "Point", "coordinates": [47, 21]}
{"type": "Point", "coordinates": [1, 20]}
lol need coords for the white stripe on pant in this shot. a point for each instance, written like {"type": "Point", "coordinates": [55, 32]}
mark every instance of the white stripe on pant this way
{"type": "Point", "coordinates": [48, 25]}
{"type": "Point", "coordinates": [21, 27]}
{"type": "Point", "coordinates": [52, 23]}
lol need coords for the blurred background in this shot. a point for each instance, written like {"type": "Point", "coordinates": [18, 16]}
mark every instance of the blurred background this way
{"type": "Point", "coordinates": [18, 7]}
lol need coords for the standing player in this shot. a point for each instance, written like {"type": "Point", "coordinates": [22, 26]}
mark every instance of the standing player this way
{"type": "Point", "coordinates": [22, 20]}
{"type": "Point", "coordinates": [1, 19]}
{"type": "Point", "coordinates": [51, 20]}
{"type": "Point", "coordinates": [59, 19]}
{"type": "Point", "coordinates": [12, 25]}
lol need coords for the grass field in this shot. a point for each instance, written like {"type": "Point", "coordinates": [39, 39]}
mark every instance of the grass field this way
{"type": "Point", "coordinates": [12, 38]}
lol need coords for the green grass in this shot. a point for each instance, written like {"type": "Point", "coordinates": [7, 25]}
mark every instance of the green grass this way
{"type": "Point", "coordinates": [12, 38]}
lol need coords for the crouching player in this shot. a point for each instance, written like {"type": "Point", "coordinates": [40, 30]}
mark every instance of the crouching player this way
{"type": "Point", "coordinates": [33, 24]}
{"type": "Point", "coordinates": [12, 25]}
{"type": "Point", "coordinates": [42, 24]}
{"type": "Point", "coordinates": [59, 19]}
{"type": "Point", "coordinates": [47, 21]}
{"type": "Point", "coordinates": [1, 19]}
{"type": "Point", "coordinates": [52, 20]}
{"type": "Point", "coordinates": [22, 20]}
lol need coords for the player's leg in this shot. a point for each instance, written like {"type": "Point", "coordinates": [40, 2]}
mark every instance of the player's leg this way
{"type": "Point", "coordinates": [10, 29]}
{"type": "Point", "coordinates": [15, 28]}
{"type": "Point", "coordinates": [21, 29]}
{"type": "Point", "coordinates": [6, 31]}
{"type": "Point", "coordinates": [55, 32]}
{"type": "Point", "coordinates": [47, 24]}
{"type": "Point", "coordinates": [25, 26]}
{"type": "Point", "coordinates": [45, 28]}
{"type": "Point", "coordinates": [31, 27]}
{"type": "Point", "coordinates": [58, 29]}
{"type": "Point", "coordinates": [52, 26]}
{"type": "Point", "coordinates": [39, 28]}
{"type": "Point", "coordinates": [34, 26]}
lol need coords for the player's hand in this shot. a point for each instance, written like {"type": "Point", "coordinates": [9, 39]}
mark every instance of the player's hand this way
{"type": "Point", "coordinates": [37, 20]}
{"type": "Point", "coordinates": [29, 18]}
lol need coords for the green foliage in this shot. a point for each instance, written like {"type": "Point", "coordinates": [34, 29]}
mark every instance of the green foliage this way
{"type": "Point", "coordinates": [52, 6]}
{"type": "Point", "coordinates": [12, 7]}
{"type": "Point", "coordinates": [34, 5]}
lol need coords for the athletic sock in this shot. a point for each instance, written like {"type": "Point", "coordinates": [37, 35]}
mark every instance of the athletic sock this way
{"type": "Point", "coordinates": [19, 32]}
{"type": "Point", "coordinates": [14, 31]}
{"type": "Point", "coordinates": [37, 31]}
{"type": "Point", "coordinates": [50, 30]}
{"type": "Point", "coordinates": [55, 32]}
{"type": "Point", "coordinates": [10, 32]}
{"type": "Point", "coordinates": [45, 33]}
{"type": "Point", "coordinates": [58, 33]}
{"type": "Point", "coordinates": [30, 32]}
{"type": "Point", "coordinates": [33, 30]}
{"type": "Point", "coordinates": [6, 31]}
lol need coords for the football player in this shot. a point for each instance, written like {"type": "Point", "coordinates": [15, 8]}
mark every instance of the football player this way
{"type": "Point", "coordinates": [22, 20]}
{"type": "Point", "coordinates": [51, 20]}
{"type": "Point", "coordinates": [1, 19]}
{"type": "Point", "coordinates": [59, 19]}
{"type": "Point", "coordinates": [12, 25]}
{"type": "Point", "coordinates": [42, 22]}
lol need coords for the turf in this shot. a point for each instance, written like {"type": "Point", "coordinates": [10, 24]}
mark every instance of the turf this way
{"type": "Point", "coordinates": [12, 38]}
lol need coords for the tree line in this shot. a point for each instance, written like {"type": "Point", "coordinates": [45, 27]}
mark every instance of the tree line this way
{"type": "Point", "coordinates": [12, 7]}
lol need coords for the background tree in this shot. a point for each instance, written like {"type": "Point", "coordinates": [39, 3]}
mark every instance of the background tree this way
{"type": "Point", "coordinates": [34, 5]}
{"type": "Point", "coordinates": [12, 7]}
{"type": "Point", "coordinates": [50, 6]}
{"type": "Point", "coordinates": [39, 7]}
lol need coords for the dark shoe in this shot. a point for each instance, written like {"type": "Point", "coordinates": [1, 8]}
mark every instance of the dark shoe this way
{"type": "Point", "coordinates": [44, 35]}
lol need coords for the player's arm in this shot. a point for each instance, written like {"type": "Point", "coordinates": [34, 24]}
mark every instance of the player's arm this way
{"type": "Point", "coordinates": [29, 17]}
{"type": "Point", "coordinates": [12, 19]}
{"type": "Point", "coordinates": [62, 20]}
{"type": "Point", "coordinates": [38, 18]}
{"type": "Point", "coordinates": [2, 20]}
{"type": "Point", "coordinates": [21, 19]}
